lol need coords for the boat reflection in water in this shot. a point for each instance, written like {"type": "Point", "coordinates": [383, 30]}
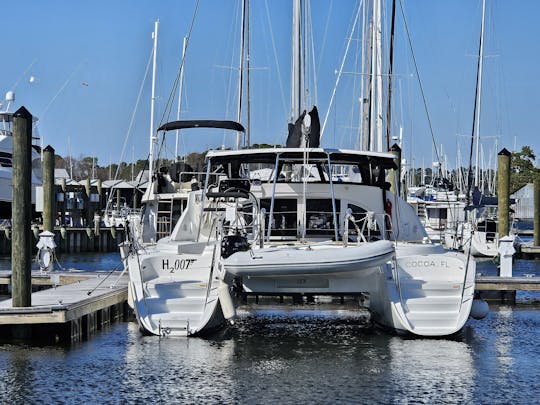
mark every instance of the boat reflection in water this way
{"type": "Point", "coordinates": [304, 354]}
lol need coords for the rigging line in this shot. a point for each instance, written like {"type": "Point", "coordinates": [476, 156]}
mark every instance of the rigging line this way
{"type": "Point", "coordinates": [130, 126]}
{"type": "Point", "coordinates": [23, 74]}
{"type": "Point", "coordinates": [325, 35]}
{"type": "Point", "coordinates": [229, 92]}
{"type": "Point", "coordinates": [340, 70]}
{"type": "Point", "coordinates": [478, 78]}
{"type": "Point", "coordinates": [168, 105]}
{"type": "Point", "coordinates": [282, 93]}
{"type": "Point", "coordinates": [406, 26]}
{"type": "Point", "coordinates": [61, 89]}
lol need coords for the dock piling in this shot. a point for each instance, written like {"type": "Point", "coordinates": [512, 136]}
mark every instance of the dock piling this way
{"type": "Point", "coordinates": [21, 251]}
{"type": "Point", "coordinates": [536, 238]}
{"type": "Point", "coordinates": [503, 191]}
{"type": "Point", "coordinates": [49, 196]}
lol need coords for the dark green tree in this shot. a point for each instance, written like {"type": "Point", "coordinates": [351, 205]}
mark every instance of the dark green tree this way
{"type": "Point", "coordinates": [523, 169]}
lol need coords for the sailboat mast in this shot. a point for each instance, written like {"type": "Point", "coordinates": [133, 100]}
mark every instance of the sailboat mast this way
{"type": "Point", "coordinates": [476, 112]}
{"type": "Point", "coordinates": [376, 141]}
{"type": "Point", "coordinates": [296, 73]}
{"type": "Point", "coordinates": [241, 72]}
{"type": "Point", "coordinates": [390, 71]}
{"type": "Point", "coordinates": [153, 137]}
{"type": "Point", "coordinates": [248, 67]}
{"type": "Point", "coordinates": [479, 93]}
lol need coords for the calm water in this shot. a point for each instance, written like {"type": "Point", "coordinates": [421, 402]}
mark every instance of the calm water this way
{"type": "Point", "coordinates": [290, 354]}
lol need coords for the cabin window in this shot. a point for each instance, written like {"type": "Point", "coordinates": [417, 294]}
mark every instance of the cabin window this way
{"type": "Point", "coordinates": [320, 218]}
{"type": "Point", "coordinates": [284, 216]}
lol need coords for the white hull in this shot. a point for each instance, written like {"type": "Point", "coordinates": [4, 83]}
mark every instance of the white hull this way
{"type": "Point", "coordinates": [430, 294]}
{"type": "Point", "coordinates": [173, 290]}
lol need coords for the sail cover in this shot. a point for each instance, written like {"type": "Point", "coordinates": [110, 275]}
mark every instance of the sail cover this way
{"type": "Point", "coordinates": [313, 136]}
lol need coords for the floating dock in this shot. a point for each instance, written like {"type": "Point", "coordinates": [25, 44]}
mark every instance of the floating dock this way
{"type": "Point", "coordinates": [528, 251]}
{"type": "Point", "coordinates": [503, 289]}
{"type": "Point", "coordinates": [75, 307]}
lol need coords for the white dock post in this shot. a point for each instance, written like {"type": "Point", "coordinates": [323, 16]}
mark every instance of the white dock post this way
{"type": "Point", "coordinates": [506, 252]}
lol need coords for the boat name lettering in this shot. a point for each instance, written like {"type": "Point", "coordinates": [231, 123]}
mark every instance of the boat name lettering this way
{"type": "Point", "coordinates": [178, 264]}
{"type": "Point", "coordinates": [427, 263]}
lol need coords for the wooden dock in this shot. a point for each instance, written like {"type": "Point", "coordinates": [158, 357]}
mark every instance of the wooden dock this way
{"type": "Point", "coordinates": [494, 283]}
{"type": "Point", "coordinates": [503, 289]}
{"type": "Point", "coordinates": [528, 251]}
{"type": "Point", "coordinates": [73, 309]}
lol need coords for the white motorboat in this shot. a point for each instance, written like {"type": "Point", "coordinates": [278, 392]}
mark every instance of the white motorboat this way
{"type": "Point", "coordinates": [6, 170]}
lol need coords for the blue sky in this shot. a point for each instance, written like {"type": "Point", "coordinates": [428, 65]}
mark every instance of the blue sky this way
{"type": "Point", "coordinates": [89, 58]}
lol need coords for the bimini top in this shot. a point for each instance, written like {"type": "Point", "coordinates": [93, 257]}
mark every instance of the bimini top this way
{"type": "Point", "coordinates": [184, 124]}
{"type": "Point", "coordinates": [337, 156]}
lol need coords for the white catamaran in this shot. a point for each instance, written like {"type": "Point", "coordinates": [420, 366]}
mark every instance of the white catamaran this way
{"type": "Point", "coordinates": [294, 220]}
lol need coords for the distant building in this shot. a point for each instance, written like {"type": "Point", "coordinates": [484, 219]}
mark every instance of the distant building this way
{"type": "Point", "coordinates": [524, 207]}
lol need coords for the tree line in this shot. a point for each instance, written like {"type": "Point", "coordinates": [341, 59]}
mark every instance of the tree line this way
{"type": "Point", "coordinates": [523, 169]}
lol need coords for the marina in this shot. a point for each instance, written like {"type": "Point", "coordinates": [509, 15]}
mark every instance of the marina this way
{"type": "Point", "coordinates": [375, 238]}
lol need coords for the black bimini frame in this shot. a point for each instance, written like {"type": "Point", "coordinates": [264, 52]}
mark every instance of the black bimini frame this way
{"type": "Point", "coordinates": [185, 124]}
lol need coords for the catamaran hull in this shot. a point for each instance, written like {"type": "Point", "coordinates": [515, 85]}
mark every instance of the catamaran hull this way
{"type": "Point", "coordinates": [429, 292]}
{"type": "Point", "coordinates": [175, 294]}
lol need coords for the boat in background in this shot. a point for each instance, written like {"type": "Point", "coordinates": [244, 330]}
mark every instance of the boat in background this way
{"type": "Point", "coordinates": [438, 208]}
{"type": "Point", "coordinates": [6, 161]}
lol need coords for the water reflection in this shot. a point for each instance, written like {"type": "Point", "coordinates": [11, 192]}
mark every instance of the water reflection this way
{"type": "Point", "coordinates": [287, 354]}
{"type": "Point", "coordinates": [437, 370]}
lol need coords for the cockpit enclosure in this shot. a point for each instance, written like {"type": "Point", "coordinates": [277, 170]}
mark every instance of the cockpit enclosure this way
{"type": "Point", "coordinates": [297, 165]}
{"type": "Point", "coordinates": [309, 193]}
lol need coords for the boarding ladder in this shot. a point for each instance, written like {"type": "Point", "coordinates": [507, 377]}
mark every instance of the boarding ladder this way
{"type": "Point", "coordinates": [164, 218]}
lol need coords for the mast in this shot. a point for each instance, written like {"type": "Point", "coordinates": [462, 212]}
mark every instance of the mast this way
{"type": "Point", "coordinates": [296, 73]}
{"type": "Point", "coordinates": [479, 93]}
{"type": "Point", "coordinates": [248, 67]}
{"type": "Point", "coordinates": [367, 100]}
{"type": "Point", "coordinates": [241, 72]}
{"type": "Point", "coordinates": [376, 143]}
{"type": "Point", "coordinates": [390, 70]}
{"type": "Point", "coordinates": [476, 112]}
{"type": "Point", "coordinates": [180, 90]}
{"type": "Point", "coordinates": [153, 137]}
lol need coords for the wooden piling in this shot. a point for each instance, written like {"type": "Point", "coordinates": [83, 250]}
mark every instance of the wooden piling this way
{"type": "Point", "coordinates": [503, 191]}
{"type": "Point", "coordinates": [118, 199]}
{"type": "Point", "coordinates": [49, 196]}
{"type": "Point", "coordinates": [536, 238]}
{"type": "Point", "coordinates": [21, 251]}
{"type": "Point", "coordinates": [89, 204]}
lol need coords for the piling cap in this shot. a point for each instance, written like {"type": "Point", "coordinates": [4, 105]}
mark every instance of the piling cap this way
{"type": "Point", "coordinates": [504, 152]}
{"type": "Point", "coordinates": [48, 148]}
{"type": "Point", "coordinates": [395, 148]}
{"type": "Point", "coordinates": [22, 113]}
